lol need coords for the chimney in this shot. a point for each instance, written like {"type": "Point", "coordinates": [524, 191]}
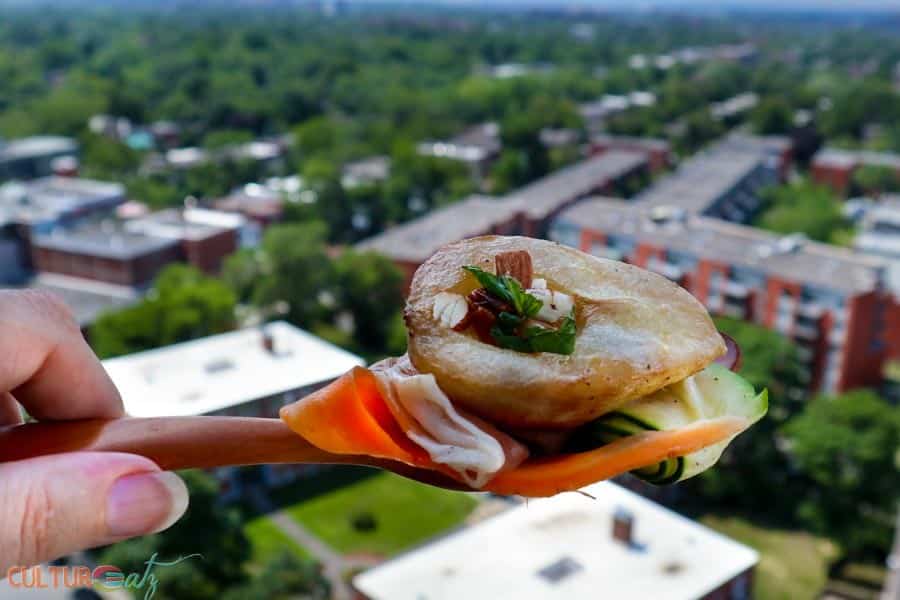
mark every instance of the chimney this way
{"type": "Point", "coordinates": [268, 341]}
{"type": "Point", "coordinates": [622, 526]}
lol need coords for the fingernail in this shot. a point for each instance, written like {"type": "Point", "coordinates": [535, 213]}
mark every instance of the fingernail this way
{"type": "Point", "coordinates": [145, 503]}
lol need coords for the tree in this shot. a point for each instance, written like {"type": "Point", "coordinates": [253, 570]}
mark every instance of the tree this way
{"type": "Point", "coordinates": [699, 128]}
{"type": "Point", "coordinates": [285, 577]}
{"type": "Point", "coordinates": [847, 448]}
{"type": "Point", "coordinates": [804, 207]}
{"type": "Point", "coordinates": [209, 529]}
{"type": "Point", "coordinates": [874, 180]}
{"type": "Point", "coordinates": [772, 116]}
{"type": "Point", "coordinates": [103, 157]}
{"type": "Point", "coordinates": [522, 132]}
{"type": "Point", "coordinates": [332, 203]}
{"type": "Point", "coordinates": [370, 287]}
{"type": "Point", "coordinates": [296, 269]}
{"type": "Point", "coordinates": [182, 305]}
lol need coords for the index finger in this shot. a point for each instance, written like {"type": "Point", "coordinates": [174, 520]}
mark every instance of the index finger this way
{"type": "Point", "coordinates": [46, 363]}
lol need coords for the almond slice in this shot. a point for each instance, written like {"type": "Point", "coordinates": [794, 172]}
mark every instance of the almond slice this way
{"type": "Point", "coordinates": [517, 264]}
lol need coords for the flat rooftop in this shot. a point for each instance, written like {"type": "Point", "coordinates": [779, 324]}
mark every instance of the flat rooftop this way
{"type": "Point", "coordinates": [106, 239]}
{"type": "Point", "coordinates": [220, 371]}
{"type": "Point", "coordinates": [562, 547]}
{"type": "Point", "coordinates": [541, 198]}
{"type": "Point", "coordinates": [702, 179]}
{"type": "Point", "coordinates": [418, 239]}
{"type": "Point", "coordinates": [812, 263]}
{"type": "Point", "coordinates": [49, 198]}
{"type": "Point", "coordinates": [185, 223]}
{"type": "Point", "coordinates": [840, 158]}
{"type": "Point", "coordinates": [36, 147]}
{"type": "Point", "coordinates": [646, 143]}
{"type": "Point", "coordinates": [86, 299]}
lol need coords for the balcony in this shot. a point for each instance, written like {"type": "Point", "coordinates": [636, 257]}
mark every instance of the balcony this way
{"type": "Point", "coordinates": [806, 332]}
{"type": "Point", "coordinates": [735, 289]}
{"type": "Point", "coordinates": [805, 353]}
{"type": "Point", "coordinates": [730, 309]}
{"type": "Point", "coordinates": [837, 336]}
{"type": "Point", "coordinates": [665, 269]}
{"type": "Point", "coordinates": [810, 310]}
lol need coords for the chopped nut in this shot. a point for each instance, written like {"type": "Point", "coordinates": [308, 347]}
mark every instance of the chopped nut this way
{"type": "Point", "coordinates": [482, 298]}
{"type": "Point", "coordinates": [482, 321]}
{"type": "Point", "coordinates": [555, 305]}
{"type": "Point", "coordinates": [451, 310]}
{"type": "Point", "coordinates": [516, 264]}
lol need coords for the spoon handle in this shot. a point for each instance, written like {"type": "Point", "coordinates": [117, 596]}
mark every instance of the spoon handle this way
{"type": "Point", "coordinates": [171, 442]}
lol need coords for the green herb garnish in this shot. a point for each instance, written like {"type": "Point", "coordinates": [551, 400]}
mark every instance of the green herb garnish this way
{"type": "Point", "coordinates": [509, 290]}
{"type": "Point", "coordinates": [509, 331]}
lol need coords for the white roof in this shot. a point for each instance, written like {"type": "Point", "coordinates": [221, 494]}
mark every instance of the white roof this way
{"type": "Point", "coordinates": [216, 372]}
{"type": "Point", "coordinates": [674, 558]}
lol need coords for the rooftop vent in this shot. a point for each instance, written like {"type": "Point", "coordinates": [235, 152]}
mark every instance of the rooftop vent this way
{"type": "Point", "coordinates": [559, 570]}
{"type": "Point", "coordinates": [623, 526]}
{"type": "Point", "coordinates": [218, 365]}
{"type": "Point", "coordinates": [667, 213]}
{"type": "Point", "coordinates": [784, 245]}
{"type": "Point", "coordinates": [790, 243]}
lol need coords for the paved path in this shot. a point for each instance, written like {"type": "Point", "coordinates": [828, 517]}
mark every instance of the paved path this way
{"type": "Point", "coordinates": [333, 564]}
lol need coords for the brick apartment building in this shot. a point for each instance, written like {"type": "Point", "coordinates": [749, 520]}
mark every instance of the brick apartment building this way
{"type": "Point", "coordinates": [835, 167]}
{"type": "Point", "coordinates": [658, 151]}
{"type": "Point", "coordinates": [32, 157]}
{"type": "Point", "coordinates": [205, 237]}
{"type": "Point", "coordinates": [477, 147]}
{"type": "Point", "coordinates": [723, 181]}
{"type": "Point", "coordinates": [410, 244]}
{"type": "Point", "coordinates": [526, 211]}
{"type": "Point", "coordinates": [250, 372]}
{"type": "Point", "coordinates": [131, 253]}
{"type": "Point", "coordinates": [830, 301]}
{"type": "Point", "coordinates": [36, 207]}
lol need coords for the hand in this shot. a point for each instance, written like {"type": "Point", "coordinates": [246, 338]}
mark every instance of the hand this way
{"type": "Point", "coordinates": [54, 505]}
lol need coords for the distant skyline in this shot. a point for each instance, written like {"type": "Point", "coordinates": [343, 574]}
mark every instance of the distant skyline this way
{"type": "Point", "coordinates": [842, 5]}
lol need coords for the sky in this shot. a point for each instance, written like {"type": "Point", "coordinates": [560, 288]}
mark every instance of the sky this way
{"type": "Point", "coordinates": [712, 4]}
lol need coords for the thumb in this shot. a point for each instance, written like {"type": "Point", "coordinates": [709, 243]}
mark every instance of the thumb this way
{"type": "Point", "coordinates": [54, 505]}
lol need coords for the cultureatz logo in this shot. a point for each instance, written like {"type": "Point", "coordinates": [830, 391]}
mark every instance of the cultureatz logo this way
{"type": "Point", "coordinates": [103, 577]}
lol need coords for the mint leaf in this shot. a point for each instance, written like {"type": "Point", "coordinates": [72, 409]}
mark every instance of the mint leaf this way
{"type": "Point", "coordinates": [510, 341]}
{"type": "Point", "coordinates": [557, 341]}
{"type": "Point", "coordinates": [524, 303]}
{"type": "Point", "coordinates": [507, 332]}
{"type": "Point", "coordinates": [492, 283]}
{"type": "Point", "coordinates": [508, 322]}
{"type": "Point", "coordinates": [509, 290]}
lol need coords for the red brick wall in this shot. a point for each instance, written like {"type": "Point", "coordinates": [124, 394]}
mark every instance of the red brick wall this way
{"type": "Point", "coordinates": [863, 362]}
{"type": "Point", "coordinates": [121, 272]}
{"type": "Point", "coordinates": [774, 289]}
{"type": "Point", "coordinates": [836, 177]}
{"type": "Point", "coordinates": [207, 254]}
{"type": "Point", "coordinates": [892, 328]}
{"type": "Point", "coordinates": [643, 253]}
{"type": "Point", "coordinates": [700, 279]}
{"type": "Point", "coordinates": [589, 238]}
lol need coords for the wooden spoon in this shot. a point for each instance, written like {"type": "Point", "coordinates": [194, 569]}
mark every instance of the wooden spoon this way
{"type": "Point", "coordinates": [191, 442]}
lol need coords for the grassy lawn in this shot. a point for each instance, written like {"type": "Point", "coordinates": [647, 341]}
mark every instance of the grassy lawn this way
{"type": "Point", "coordinates": [268, 541]}
{"type": "Point", "coordinates": [406, 513]}
{"type": "Point", "coordinates": [793, 565]}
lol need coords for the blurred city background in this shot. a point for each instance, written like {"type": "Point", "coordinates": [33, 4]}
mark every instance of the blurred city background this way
{"type": "Point", "coordinates": [232, 197]}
